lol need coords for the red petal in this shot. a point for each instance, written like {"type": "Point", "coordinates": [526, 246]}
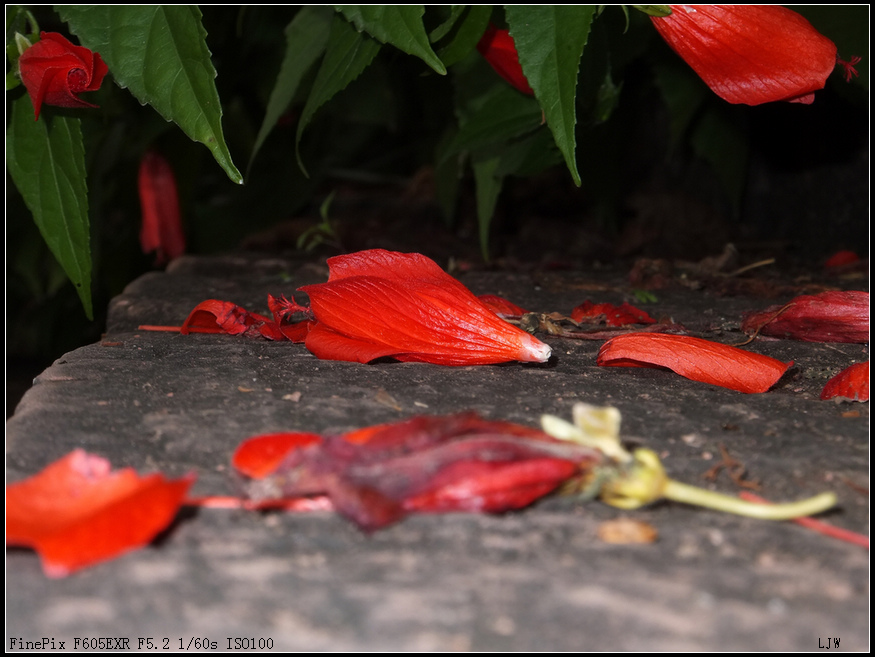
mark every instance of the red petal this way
{"type": "Point", "coordinates": [76, 512]}
{"type": "Point", "coordinates": [614, 315]}
{"type": "Point", "coordinates": [161, 229]}
{"type": "Point", "coordinates": [696, 359]}
{"type": "Point", "coordinates": [259, 456]}
{"type": "Point", "coordinates": [380, 303]}
{"type": "Point", "coordinates": [498, 48]}
{"type": "Point", "coordinates": [214, 316]}
{"type": "Point", "coordinates": [750, 54]}
{"type": "Point", "coordinates": [501, 306]}
{"type": "Point", "coordinates": [825, 317]}
{"type": "Point", "coordinates": [492, 487]}
{"type": "Point", "coordinates": [851, 383]}
{"type": "Point", "coordinates": [841, 258]}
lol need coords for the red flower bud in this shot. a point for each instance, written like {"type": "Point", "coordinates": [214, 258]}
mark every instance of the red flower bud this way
{"type": "Point", "coordinates": [161, 230]}
{"type": "Point", "coordinates": [498, 48]}
{"type": "Point", "coordinates": [54, 72]}
{"type": "Point", "coordinates": [750, 54]}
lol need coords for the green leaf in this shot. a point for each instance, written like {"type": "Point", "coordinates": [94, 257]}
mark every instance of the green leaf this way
{"type": "Point", "coordinates": [397, 25]}
{"type": "Point", "coordinates": [348, 54]}
{"type": "Point", "coordinates": [306, 39]}
{"type": "Point", "coordinates": [446, 27]}
{"type": "Point", "coordinates": [46, 160]}
{"type": "Point", "coordinates": [159, 52]}
{"type": "Point", "coordinates": [720, 136]}
{"type": "Point", "coordinates": [499, 114]}
{"type": "Point", "coordinates": [683, 93]}
{"type": "Point", "coordinates": [468, 32]}
{"type": "Point", "coordinates": [488, 188]}
{"type": "Point", "coordinates": [550, 41]}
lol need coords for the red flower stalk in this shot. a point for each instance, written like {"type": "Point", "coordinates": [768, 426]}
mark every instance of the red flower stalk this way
{"type": "Point", "coordinates": [695, 359]}
{"type": "Point", "coordinates": [377, 475]}
{"type": "Point", "coordinates": [55, 72]}
{"type": "Point", "coordinates": [381, 303]}
{"type": "Point", "coordinates": [824, 317]}
{"type": "Point", "coordinates": [750, 54]}
{"type": "Point", "coordinates": [76, 512]}
{"type": "Point", "coordinates": [498, 48]}
{"type": "Point", "coordinates": [851, 383]}
{"type": "Point", "coordinates": [161, 230]}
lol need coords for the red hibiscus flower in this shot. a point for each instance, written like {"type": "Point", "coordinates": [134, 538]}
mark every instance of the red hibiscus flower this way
{"type": "Point", "coordinates": [498, 48]}
{"type": "Point", "coordinates": [750, 54]}
{"type": "Point", "coordinates": [54, 72]}
{"type": "Point", "coordinates": [381, 303]}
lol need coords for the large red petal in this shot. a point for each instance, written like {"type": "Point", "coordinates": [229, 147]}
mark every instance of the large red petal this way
{"type": "Point", "coordinates": [76, 512]}
{"type": "Point", "coordinates": [851, 383]}
{"type": "Point", "coordinates": [696, 359]}
{"type": "Point", "coordinates": [750, 54]}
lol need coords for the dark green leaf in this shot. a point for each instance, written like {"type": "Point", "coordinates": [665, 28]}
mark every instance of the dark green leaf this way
{"type": "Point", "coordinates": [306, 39]}
{"type": "Point", "coordinates": [159, 52]}
{"type": "Point", "coordinates": [720, 137]}
{"type": "Point", "coordinates": [468, 32]}
{"type": "Point", "coordinates": [499, 114]}
{"type": "Point", "coordinates": [488, 186]}
{"type": "Point", "coordinates": [444, 28]}
{"type": "Point", "coordinates": [683, 93]}
{"type": "Point", "coordinates": [46, 160]}
{"type": "Point", "coordinates": [348, 54]}
{"type": "Point", "coordinates": [397, 25]}
{"type": "Point", "coordinates": [550, 40]}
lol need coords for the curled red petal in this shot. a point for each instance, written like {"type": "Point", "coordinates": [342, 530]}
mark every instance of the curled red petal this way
{"type": "Point", "coordinates": [750, 54]}
{"type": "Point", "coordinates": [76, 512]}
{"type": "Point", "coordinates": [380, 303]}
{"type": "Point", "coordinates": [498, 48]}
{"type": "Point", "coordinates": [214, 316]}
{"type": "Point", "coordinates": [621, 315]}
{"type": "Point", "coordinates": [825, 317]}
{"type": "Point", "coordinates": [696, 359]}
{"type": "Point", "coordinates": [851, 383]}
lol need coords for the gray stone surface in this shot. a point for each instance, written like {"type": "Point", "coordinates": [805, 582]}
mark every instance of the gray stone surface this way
{"type": "Point", "coordinates": [539, 579]}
